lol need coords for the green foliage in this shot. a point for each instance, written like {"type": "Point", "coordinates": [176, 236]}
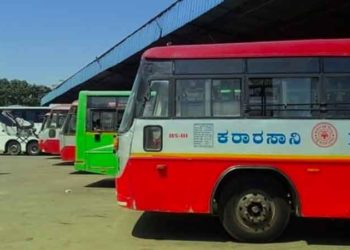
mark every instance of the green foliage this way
{"type": "Point", "coordinates": [17, 92]}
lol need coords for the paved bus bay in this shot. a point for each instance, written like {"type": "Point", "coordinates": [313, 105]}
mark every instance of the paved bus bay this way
{"type": "Point", "coordinates": [45, 204]}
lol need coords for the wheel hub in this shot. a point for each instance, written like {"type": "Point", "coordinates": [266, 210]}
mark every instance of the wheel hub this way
{"type": "Point", "coordinates": [255, 211]}
{"type": "Point", "coordinates": [14, 148]}
{"type": "Point", "coordinates": [34, 149]}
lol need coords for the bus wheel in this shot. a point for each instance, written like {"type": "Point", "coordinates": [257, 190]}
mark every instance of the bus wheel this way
{"type": "Point", "coordinates": [33, 148]}
{"type": "Point", "coordinates": [257, 213]}
{"type": "Point", "coordinates": [13, 148]}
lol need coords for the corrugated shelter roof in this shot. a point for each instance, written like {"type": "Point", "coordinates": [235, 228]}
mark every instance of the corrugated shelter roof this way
{"type": "Point", "coordinates": [177, 15]}
{"type": "Point", "coordinates": [207, 21]}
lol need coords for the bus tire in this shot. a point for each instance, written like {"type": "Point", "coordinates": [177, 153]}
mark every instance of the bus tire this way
{"type": "Point", "coordinates": [33, 148]}
{"type": "Point", "coordinates": [256, 212]}
{"type": "Point", "coordinates": [13, 148]}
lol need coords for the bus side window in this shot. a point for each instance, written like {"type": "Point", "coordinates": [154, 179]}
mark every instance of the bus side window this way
{"type": "Point", "coordinates": [257, 96]}
{"type": "Point", "coordinates": [193, 98]}
{"type": "Point", "coordinates": [283, 97]}
{"type": "Point", "coordinates": [226, 97]}
{"type": "Point", "coordinates": [337, 93]}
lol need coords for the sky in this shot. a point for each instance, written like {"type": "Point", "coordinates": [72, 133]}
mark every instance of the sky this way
{"type": "Point", "coordinates": [47, 41]}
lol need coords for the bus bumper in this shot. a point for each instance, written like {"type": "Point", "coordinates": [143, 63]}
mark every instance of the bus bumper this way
{"type": "Point", "coordinates": [79, 165]}
{"type": "Point", "coordinates": [41, 146]}
{"type": "Point", "coordinates": [51, 146]}
{"type": "Point", "coordinates": [68, 153]}
{"type": "Point", "coordinates": [123, 192]}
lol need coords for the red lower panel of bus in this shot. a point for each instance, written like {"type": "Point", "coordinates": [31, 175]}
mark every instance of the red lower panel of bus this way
{"type": "Point", "coordinates": [50, 146]}
{"type": "Point", "coordinates": [41, 146]}
{"type": "Point", "coordinates": [68, 153]}
{"type": "Point", "coordinates": [186, 185]}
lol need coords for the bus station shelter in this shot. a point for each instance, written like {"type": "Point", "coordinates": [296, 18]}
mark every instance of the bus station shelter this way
{"type": "Point", "coordinates": [204, 22]}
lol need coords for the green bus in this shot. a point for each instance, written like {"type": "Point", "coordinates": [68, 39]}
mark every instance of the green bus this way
{"type": "Point", "coordinates": [98, 117]}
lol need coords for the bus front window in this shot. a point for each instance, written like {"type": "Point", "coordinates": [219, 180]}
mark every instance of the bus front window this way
{"type": "Point", "coordinates": [69, 125]}
{"type": "Point", "coordinates": [43, 125]}
{"type": "Point", "coordinates": [60, 120]}
{"type": "Point", "coordinates": [51, 121]}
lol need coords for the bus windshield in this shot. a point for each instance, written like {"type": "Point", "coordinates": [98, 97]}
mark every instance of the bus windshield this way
{"type": "Point", "coordinates": [45, 121]}
{"type": "Point", "coordinates": [56, 119]}
{"type": "Point", "coordinates": [149, 97]}
{"type": "Point", "coordinates": [129, 111]}
{"type": "Point", "coordinates": [70, 122]}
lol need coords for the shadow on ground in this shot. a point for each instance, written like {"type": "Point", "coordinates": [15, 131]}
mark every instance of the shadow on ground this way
{"type": "Point", "coordinates": [207, 228]}
{"type": "Point", "coordinates": [162, 226]}
{"type": "Point", "coordinates": [4, 173]}
{"type": "Point", "coordinates": [22, 155]}
{"type": "Point", "coordinates": [83, 173]}
{"type": "Point", "coordinates": [64, 163]}
{"type": "Point", "coordinates": [105, 183]}
{"type": "Point", "coordinates": [53, 158]}
{"type": "Point", "coordinates": [318, 232]}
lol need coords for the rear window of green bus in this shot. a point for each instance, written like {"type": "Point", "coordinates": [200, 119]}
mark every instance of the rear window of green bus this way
{"type": "Point", "coordinates": [104, 113]}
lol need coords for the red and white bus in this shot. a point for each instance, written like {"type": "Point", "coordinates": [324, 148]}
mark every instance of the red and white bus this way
{"type": "Point", "coordinates": [49, 141]}
{"type": "Point", "coordinates": [252, 132]}
{"type": "Point", "coordinates": [67, 134]}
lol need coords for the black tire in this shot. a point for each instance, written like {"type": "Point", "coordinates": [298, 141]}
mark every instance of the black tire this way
{"type": "Point", "coordinates": [256, 211]}
{"type": "Point", "coordinates": [13, 148]}
{"type": "Point", "coordinates": [33, 148]}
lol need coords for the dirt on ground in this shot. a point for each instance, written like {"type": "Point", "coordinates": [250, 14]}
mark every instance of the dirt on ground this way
{"type": "Point", "coordinates": [46, 204]}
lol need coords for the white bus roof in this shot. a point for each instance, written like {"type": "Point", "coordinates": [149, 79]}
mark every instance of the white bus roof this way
{"type": "Point", "coordinates": [61, 106]}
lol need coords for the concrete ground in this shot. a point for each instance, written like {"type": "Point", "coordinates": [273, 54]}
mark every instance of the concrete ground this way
{"type": "Point", "coordinates": [45, 204]}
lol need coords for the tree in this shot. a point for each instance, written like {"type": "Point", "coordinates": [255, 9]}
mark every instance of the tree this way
{"type": "Point", "coordinates": [17, 92]}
